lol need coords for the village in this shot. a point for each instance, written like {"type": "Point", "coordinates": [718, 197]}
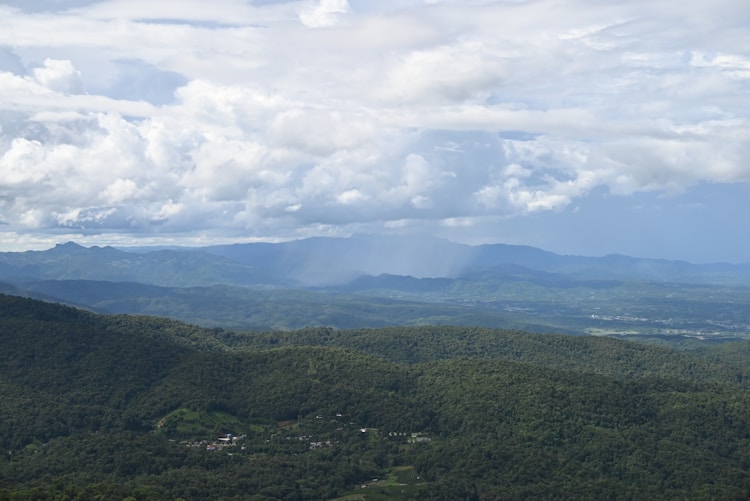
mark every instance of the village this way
{"type": "Point", "coordinates": [317, 433]}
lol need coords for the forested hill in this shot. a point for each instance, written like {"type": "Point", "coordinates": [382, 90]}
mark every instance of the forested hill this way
{"type": "Point", "coordinates": [600, 355]}
{"type": "Point", "coordinates": [118, 406]}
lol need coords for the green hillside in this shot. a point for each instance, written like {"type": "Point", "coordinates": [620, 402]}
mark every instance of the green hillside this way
{"type": "Point", "coordinates": [725, 363]}
{"type": "Point", "coordinates": [113, 407]}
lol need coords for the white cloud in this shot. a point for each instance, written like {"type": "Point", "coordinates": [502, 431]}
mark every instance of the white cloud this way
{"type": "Point", "coordinates": [59, 76]}
{"type": "Point", "coordinates": [323, 13]}
{"type": "Point", "coordinates": [81, 217]}
{"type": "Point", "coordinates": [121, 190]}
{"type": "Point", "coordinates": [466, 71]}
{"type": "Point", "coordinates": [351, 196]}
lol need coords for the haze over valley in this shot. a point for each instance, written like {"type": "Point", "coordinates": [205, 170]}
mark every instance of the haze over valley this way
{"type": "Point", "coordinates": [370, 281]}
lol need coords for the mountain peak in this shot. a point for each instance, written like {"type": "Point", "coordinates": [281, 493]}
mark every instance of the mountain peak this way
{"type": "Point", "coordinates": [69, 246]}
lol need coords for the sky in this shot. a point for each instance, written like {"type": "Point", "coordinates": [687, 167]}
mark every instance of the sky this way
{"type": "Point", "coordinates": [579, 126]}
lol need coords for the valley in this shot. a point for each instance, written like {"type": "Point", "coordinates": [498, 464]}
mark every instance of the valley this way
{"type": "Point", "coordinates": [289, 286]}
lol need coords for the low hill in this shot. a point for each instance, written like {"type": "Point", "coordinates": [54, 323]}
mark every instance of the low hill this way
{"type": "Point", "coordinates": [262, 309]}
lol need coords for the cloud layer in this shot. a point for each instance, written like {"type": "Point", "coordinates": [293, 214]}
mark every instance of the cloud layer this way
{"type": "Point", "coordinates": [236, 119]}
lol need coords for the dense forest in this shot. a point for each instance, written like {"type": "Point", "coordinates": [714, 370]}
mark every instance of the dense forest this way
{"type": "Point", "coordinates": [134, 407]}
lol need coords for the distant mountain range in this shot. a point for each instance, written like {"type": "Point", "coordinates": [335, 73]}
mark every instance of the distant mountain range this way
{"type": "Point", "coordinates": [368, 281]}
{"type": "Point", "coordinates": [323, 262]}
